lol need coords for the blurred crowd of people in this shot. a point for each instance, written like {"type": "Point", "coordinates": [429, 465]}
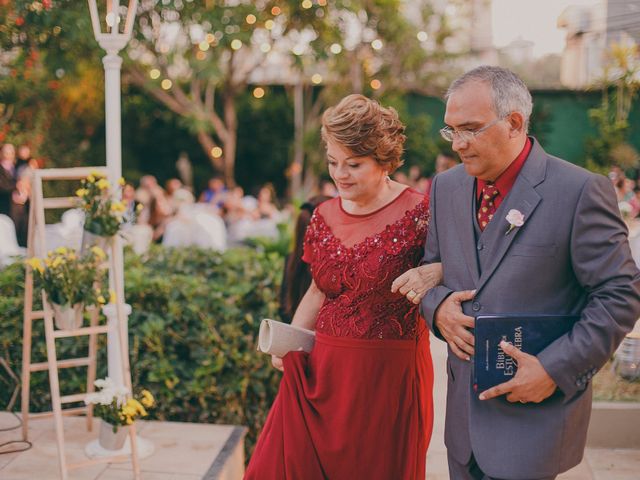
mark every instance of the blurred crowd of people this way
{"type": "Point", "coordinates": [15, 186]}
{"type": "Point", "coordinates": [627, 192]}
{"type": "Point", "coordinates": [420, 182]}
{"type": "Point", "coordinates": [242, 214]}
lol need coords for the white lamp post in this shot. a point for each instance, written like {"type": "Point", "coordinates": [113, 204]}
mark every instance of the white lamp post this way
{"type": "Point", "coordinates": [113, 40]}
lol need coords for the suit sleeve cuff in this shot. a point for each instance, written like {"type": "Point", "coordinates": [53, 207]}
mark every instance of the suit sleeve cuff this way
{"type": "Point", "coordinates": [567, 384]}
{"type": "Point", "coordinates": [430, 304]}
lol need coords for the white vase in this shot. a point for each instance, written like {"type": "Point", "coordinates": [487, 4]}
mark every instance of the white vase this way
{"type": "Point", "coordinates": [109, 440]}
{"type": "Point", "coordinates": [67, 317]}
{"type": "Point", "coordinates": [91, 239]}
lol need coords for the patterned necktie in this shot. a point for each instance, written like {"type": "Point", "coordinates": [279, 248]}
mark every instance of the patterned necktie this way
{"type": "Point", "coordinates": [487, 205]}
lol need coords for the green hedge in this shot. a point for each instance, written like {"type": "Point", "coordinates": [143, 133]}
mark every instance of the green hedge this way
{"type": "Point", "coordinates": [192, 335]}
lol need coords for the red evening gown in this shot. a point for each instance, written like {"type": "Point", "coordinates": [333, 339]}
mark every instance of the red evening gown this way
{"type": "Point", "coordinates": [359, 406]}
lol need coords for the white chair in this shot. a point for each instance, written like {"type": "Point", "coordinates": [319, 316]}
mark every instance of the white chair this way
{"type": "Point", "coordinates": [9, 248]}
{"type": "Point", "coordinates": [139, 237]}
{"type": "Point", "coordinates": [73, 219]}
{"type": "Point", "coordinates": [209, 232]}
{"type": "Point", "coordinates": [177, 233]}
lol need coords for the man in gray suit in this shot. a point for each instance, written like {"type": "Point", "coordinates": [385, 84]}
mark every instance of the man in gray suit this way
{"type": "Point", "coordinates": [564, 250]}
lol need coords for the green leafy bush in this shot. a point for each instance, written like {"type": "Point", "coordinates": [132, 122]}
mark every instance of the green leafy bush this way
{"type": "Point", "coordinates": [192, 335]}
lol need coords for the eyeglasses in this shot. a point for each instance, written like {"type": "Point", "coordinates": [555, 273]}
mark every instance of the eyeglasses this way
{"type": "Point", "coordinates": [466, 136]}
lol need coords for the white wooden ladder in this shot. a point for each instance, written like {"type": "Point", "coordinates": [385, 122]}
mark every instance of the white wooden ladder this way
{"type": "Point", "coordinates": [36, 247]}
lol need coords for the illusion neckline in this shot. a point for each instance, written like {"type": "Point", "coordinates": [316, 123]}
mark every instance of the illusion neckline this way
{"type": "Point", "coordinates": [362, 215]}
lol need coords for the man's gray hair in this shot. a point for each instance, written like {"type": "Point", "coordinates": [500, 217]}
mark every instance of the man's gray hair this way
{"type": "Point", "coordinates": [509, 92]}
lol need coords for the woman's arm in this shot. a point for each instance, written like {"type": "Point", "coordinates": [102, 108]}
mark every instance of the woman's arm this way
{"type": "Point", "coordinates": [307, 311]}
{"type": "Point", "coordinates": [416, 282]}
{"type": "Point", "coordinates": [305, 316]}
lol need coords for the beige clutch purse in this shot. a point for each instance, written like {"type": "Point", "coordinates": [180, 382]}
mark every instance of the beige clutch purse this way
{"type": "Point", "coordinates": [277, 338]}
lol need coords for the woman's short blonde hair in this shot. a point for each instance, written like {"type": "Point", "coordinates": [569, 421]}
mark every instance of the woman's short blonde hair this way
{"type": "Point", "coordinates": [366, 128]}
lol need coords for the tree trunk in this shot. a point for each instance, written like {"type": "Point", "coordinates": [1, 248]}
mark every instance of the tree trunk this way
{"type": "Point", "coordinates": [231, 139]}
{"type": "Point", "coordinates": [207, 143]}
{"type": "Point", "coordinates": [356, 72]}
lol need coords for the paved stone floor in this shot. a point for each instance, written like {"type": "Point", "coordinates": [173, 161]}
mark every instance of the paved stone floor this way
{"type": "Point", "coordinates": [598, 464]}
{"type": "Point", "coordinates": [183, 451]}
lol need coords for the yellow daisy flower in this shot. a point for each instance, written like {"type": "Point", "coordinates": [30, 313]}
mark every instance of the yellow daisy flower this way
{"type": "Point", "coordinates": [36, 264]}
{"type": "Point", "coordinates": [147, 399]}
{"type": "Point", "coordinates": [103, 184]}
{"type": "Point", "coordinates": [98, 252]}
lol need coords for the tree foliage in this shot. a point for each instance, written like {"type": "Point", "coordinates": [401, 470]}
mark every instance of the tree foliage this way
{"type": "Point", "coordinates": [196, 59]}
{"type": "Point", "coordinates": [620, 87]}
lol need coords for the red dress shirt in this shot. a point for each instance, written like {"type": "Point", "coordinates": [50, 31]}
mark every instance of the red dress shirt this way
{"type": "Point", "coordinates": [507, 178]}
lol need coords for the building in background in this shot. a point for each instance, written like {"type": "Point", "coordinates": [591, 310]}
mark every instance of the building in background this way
{"type": "Point", "coordinates": [519, 51]}
{"type": "Point", "coordinates": [591, 30]}
{"type": "Point", "coordinates": [472, 27]}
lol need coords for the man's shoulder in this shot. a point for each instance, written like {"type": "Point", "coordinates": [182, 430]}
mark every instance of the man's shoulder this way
{"type": "Point", "coordinates": [451, 177]}
{"type": "Point", "coordinates": [569, 175]}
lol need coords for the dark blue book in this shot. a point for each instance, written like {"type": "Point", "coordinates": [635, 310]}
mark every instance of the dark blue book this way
{"type": "Point", "coordinates": [530, 333]}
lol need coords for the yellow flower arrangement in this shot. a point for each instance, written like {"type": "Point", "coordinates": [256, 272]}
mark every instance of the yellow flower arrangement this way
{"type": "Point", "coordinates": [104, 215]}
{"type": "Point", "coordinates": [112, 405]}
{"type": "Point", "coordinates": [68, 278]}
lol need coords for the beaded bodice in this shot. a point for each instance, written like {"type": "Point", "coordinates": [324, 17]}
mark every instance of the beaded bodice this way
{"type": "Point", "coordinates": [356, 279]}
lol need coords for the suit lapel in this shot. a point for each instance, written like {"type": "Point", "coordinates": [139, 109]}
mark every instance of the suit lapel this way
{"type": "Point", "coordinates": [464, 218]}
{"type": "Point", "coordinates": [522, 197]}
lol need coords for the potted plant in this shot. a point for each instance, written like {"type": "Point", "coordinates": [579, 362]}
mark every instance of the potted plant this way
{"type": "Point", "coordinates": [71, 282]}
{"type": "Point", "coordinates": [104, 215]}
{"type": "Point", "coordinates": [116, 411]}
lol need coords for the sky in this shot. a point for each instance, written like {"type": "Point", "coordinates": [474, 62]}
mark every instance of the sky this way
{"type": "Point", "coordinates": [533, 20]}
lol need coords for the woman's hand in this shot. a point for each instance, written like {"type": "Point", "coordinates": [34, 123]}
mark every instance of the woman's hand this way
{"type": "Point", "coordinates": [277, 363]}
{"type": "Point", "coordinates": [414, 283]}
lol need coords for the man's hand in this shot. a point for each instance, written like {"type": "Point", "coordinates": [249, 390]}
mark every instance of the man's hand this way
{"type": "Point", "coordinates": [453, 324]}
{"type": "Point", "coordinates": [531, 383]}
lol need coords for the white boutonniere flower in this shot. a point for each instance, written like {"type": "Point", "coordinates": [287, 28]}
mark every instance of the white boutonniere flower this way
{"type": "Point", "coordinates": [515, 219]}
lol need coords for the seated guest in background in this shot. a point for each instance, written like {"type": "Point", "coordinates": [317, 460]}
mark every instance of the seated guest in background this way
{"type": "Point", "coordinates": [215, 193]}
{"type": "Point", "coordinates": [401, 177]}
{"type": "Point", "coordinates": [177, 194]}
{"type": "Point", "coordinates": [423, 184]}
{"type": "Point", "coordinates": [444, 161]}
{"type": "Point", "coordinates": [296, 277]}
{"type": "Point", "coordinates": [156, 207]}
{"type": "Point", "coordinates": [635, 203]}
{"type": "Point", "coordinates": [130, 202]}
{"type": "Point", "coordinates": [266, 208]}
{"type": "Point", "coordinates": [235, 206]}
{"type": "Point", "coordinates": [328, 189]}
{"type": "Point", "coordinates": [414, 175]}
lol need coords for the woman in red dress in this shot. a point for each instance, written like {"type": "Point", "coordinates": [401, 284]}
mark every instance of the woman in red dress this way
{"type": "Point", "coordinates": [359, 406]}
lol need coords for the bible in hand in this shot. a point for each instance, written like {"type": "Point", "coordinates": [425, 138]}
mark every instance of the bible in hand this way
{"type": "Point", "coordinates": [529, 333]}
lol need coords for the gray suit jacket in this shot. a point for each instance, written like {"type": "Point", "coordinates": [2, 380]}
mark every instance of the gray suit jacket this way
{"type": "Point", "coordinates": [571, 256]}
